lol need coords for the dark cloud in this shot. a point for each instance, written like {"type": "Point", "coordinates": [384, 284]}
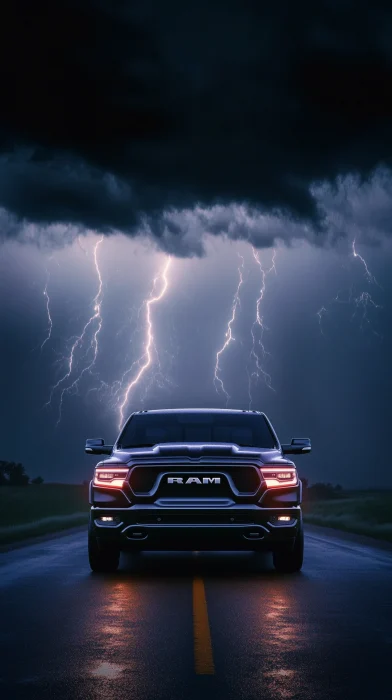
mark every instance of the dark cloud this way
{"type": "Point", "coordinates": [114, 112]}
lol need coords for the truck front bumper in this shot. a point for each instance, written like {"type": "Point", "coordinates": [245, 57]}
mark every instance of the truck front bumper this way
{"type": "Point", "coordinates": [238, 527]}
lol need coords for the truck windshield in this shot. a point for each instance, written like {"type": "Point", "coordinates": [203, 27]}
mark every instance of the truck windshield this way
{"type": "Point", "coordinates": [243, 429]}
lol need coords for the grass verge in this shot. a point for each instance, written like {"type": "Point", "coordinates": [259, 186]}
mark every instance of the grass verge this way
{"type": "Point", "coordinates": [45, 526]}
{"type": "Point", "coordinates": [361, 512]}
{"type": "Point", "coordinates": [31, 511]}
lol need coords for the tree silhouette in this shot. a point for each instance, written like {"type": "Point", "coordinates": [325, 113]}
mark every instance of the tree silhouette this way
{"type": "Point", "coordinates": [13, 474]}
{"type": "Point", "coordinates": [17, 475]}
{"type": "Point", "coordinates": [3, 477]}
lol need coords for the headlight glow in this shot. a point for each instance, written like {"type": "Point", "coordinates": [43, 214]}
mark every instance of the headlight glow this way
{"type": "Point", "coordinates": [110, 477]}
{"type": "Point", "coordinates": [274, 478]}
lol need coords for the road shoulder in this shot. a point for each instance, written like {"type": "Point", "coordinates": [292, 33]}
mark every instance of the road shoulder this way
{"type": "Point", "coordinates": [42, 538]}
{"type": "Point", "coordinates": [343, 535]}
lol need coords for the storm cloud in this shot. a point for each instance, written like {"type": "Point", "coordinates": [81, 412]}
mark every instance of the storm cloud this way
{"type": "Point", "coordinates": [175, 119]}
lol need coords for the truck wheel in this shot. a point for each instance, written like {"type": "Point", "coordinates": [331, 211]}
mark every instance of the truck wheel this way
{"type": "Point", "coordinates": [287, 561]}
{"type": "Point", "coordinates": [102, 560]}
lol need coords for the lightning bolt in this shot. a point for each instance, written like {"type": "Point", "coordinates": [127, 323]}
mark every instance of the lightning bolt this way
{"type": "Point", "coordinates": [50, 322]}
{"type": "Point", "coordinates": [370, 278]}
{"type": "Point", "coordinates": [145, 361]}
{"type": "Point", "coordinates": [98, 389]}
{"type": "Point", "coordinates": [45, 294]}
{"type": "Point", "coordinates": [258, 322]}
{"type": "Point", "coordinates": [116, 386]}
{"type": "Point", "coordinates": [362, 302]}
{"type": "Point", "coordinates": [96, 316]}
{"type": "Point", "coordinates": [323, 311]}
{"type": "Point", "coordinates": [160, 379]}
{"type": "Point", "coordinates": [229, 334]}
{"type": "Point", "coordinates": [320, 313]}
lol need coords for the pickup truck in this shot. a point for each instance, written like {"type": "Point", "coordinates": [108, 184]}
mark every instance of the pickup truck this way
{"type": "Point", "coordinates": [196, 479]}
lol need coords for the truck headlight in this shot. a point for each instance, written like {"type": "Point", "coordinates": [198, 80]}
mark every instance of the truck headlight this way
{"type": "Point", "coordinates": [110, 477]}
{"type": "Point", "coordinates": [282, 477]}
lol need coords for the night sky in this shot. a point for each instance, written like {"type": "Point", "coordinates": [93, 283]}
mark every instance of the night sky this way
{"type": "Point", "coordinates": [211, 140]}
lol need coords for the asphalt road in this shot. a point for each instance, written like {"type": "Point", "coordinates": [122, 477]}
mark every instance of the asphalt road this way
{"type": "Point", "coordinates": [181, 626]}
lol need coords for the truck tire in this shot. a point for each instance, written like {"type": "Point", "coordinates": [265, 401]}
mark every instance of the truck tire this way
{"type": "Point", "coordinates": [102, 560]}
{"type": "Point", "coordinates": [288, 561]}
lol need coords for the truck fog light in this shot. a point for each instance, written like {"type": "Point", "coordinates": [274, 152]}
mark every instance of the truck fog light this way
{"type": "Point", "coordinates": [107, 520]}
{"type": "Point", "coordinates": [278, 520]}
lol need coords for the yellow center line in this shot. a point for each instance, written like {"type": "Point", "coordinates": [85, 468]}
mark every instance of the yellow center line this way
{"type": "Point", "coordinates": [204, 661]}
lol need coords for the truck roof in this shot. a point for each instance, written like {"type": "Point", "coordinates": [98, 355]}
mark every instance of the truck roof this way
{"type": "Point", "coordinates": [199, 410]}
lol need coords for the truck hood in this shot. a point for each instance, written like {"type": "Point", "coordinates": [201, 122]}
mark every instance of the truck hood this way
{"type": "Point", "coordinates": [198, 451]}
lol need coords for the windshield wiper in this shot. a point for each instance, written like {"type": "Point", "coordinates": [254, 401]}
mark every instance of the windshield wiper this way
{"type": "Point", "coordinates": [259, 447]}
{"type": "Point", "coordinates": [130, 447]}
{"type": "Point", "coordinates": [241, 444]}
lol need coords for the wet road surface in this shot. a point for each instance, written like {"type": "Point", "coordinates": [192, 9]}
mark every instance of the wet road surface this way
{"type": "Point", "coordinates": [187, 626]}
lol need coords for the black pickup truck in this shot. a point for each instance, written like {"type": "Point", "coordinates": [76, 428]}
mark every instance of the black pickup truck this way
{"type": "Point", "coordinates": [196, 479]}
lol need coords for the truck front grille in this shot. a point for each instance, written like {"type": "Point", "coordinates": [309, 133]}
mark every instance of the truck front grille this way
{"type": "Point", "coordinates": [246, 479]}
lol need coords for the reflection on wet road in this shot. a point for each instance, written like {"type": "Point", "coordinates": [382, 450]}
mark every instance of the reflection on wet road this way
{"type": "Point", "coordinates": [196, 625]}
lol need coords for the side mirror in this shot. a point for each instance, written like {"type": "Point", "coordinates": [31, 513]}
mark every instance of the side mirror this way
{"type": "Point", "coordinates": [96, 446]}
{"type": "Point", "coordinates": [298, 446]}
